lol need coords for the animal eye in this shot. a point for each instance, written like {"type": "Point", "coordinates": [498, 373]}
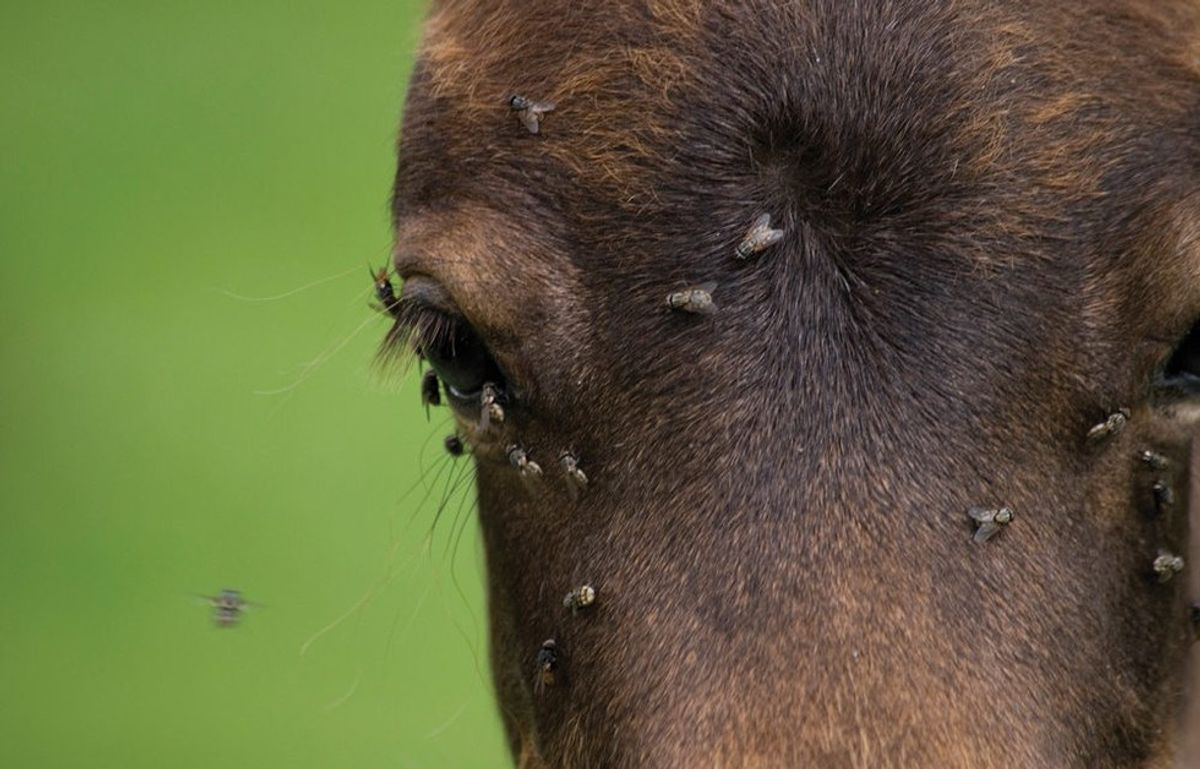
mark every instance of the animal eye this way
{"type": "Point", "coordinates": [1182, 371]}
{"type": "Point", "coordinates": [462, 362]}
{"type": "Point", "coordinates": [448, 342]}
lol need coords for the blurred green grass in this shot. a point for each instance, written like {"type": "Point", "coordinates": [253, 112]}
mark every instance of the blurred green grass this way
{"type": "Point", "coordinates": [157, 159]}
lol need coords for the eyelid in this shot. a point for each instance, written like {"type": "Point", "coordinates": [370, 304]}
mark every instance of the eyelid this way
{"type": "Point", "coordinates": [427, 292]}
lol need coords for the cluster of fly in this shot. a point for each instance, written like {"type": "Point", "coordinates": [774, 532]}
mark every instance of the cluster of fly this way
{"type": "Point", "coordinates": [1161, 489]}
{"type": "Point", "coordinates": [1166, 565]}
{"type": "Point", "coordinates": [698, 300]}
{"type": "Point", "coordinates": [548, 671]}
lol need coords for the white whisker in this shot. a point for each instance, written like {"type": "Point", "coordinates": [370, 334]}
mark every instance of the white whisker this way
{"type": "Point", "coordinates": [286, 294]}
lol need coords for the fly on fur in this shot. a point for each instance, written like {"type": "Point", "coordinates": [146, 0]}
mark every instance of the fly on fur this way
{"type": "Point", "coordinates": [989, 521]}
{"type": "Point", "coordinates": [758, 238]}
{"type": "Point", "coordinates": [580, 598]}
{"type": "Point", "coordinates": [431, 391]}
{"type": "Point", "coordinates": [547, 666]}
{"type": "Point", "coordinates": [1110, 427]}
{"type": "Point", "coordinates": [577, 480]}
{"type": "Point", "coordinates": [1167, 566]}
{"type": "Point", "coordinates": [697, 300]}
{"type": "Point", "coordinates": [1164, 497]}
{"type": "Point", "coordinates": [490, 410]}
{"type": "Point", "coordinates": [519, 459]}
{"type": "Point", "coordinates": [530, 112]}
{"type": "Point", "coordinates": [385, 292]}
{"type": "Point", "coordinates": [1154, 460]}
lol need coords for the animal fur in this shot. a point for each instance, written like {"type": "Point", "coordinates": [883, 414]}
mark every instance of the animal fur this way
{"type": "Point", "coordinates": [992, 223]}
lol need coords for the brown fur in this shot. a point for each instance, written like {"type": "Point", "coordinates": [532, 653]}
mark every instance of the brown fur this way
{"type": "Point", "coordinates": [993, 237]}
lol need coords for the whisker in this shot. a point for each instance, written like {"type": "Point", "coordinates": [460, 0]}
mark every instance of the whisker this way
{"type": "Point", "coordinates": [448, 494]}
{"type": "Point", "coordinates": [345, 697]}
{"type": "Point", "coordinates": [472, 645]}
{"type": "Point", "coordinates": [286, 294]}
{"type": "Point", "coordinates": [467, 518]}
{"type": "Point", "coordinates": [308, 369]}
{"type": "Point", "coordinates": [449, 722]}
{"type": "Point", "coordinates": [391, 569]}
{"type": "Point", "coordinates": [441, 463]}
{"type": "Point", "coordinates": [412, 617]}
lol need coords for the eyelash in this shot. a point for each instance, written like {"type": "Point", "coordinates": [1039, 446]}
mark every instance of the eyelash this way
{"type": "Point", "coordinates": [417, 328]}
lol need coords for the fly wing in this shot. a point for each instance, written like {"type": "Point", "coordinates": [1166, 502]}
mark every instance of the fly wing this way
{"type": "Point", "coordinates": [531, 119]}
{"type": "Point", "coordinates": [982, 515]}
{"type": "Point", "coordinates": [761, 224]}
{"type": "Point", "coordinates": [769, 238]}
{"type": "Point", "coordinates": [574, 488]}
{"type": "Point", "coordinates": [577, 480]}
{"type": "Point", "coordinates": [986, 531]}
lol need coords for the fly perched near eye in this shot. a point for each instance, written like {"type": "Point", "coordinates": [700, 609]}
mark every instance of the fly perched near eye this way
{"type": "Point", "coordinates": [1164, 497]}
{"type": "Point", "coordinates": [577, 480]}
{"type": "Point", "coordinates": [1167, 566]}
{"type": "Point", "coordinates": [228, 607]}
{"type": "Point", "coordinates": [580, 598]}
{"type": "Point", "coordinates": [530, 112]}
{"type": "Point", "coordinates": [1110, 427]}
{"type": "Point", "coordinates": [431, 391]}
{"type": "Point", "coordinates": [454, 446]}
{"type": "Point", "coordinates": [697, 301]}
{"type": "Point", "coordinates": [385, 293]}
{"type": "Point", "coordinates": [758, 238]}
{"type": "Point", "coordinates": [490, 410]}
{"type": "Point", "coordinates": [989, 521]}
{"type": "Point", "coordinates": [547, 666]}
{"type": "Point", "coordinates": [528, 469]}
{"type": "Point", "coordinates": [1154, 460]}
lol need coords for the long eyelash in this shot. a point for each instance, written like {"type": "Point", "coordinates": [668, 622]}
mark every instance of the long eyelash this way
{"type": "Point", "coordinates": [417, 328]}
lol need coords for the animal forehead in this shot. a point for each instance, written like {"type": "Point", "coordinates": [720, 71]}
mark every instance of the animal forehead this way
{"type": "Point", "coordinates": [612, 70]}
{"type": "Point", "coordinates": [629, 78]}
{"type": "Point", "coordinates": [894, 128]}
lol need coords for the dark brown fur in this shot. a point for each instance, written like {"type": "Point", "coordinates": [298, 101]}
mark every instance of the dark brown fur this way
{"type": "Point", "coordinates": [993, 237]}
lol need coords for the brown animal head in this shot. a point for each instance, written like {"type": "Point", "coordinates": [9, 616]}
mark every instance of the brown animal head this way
{"type": "Point", "coordinates": [982, 296]}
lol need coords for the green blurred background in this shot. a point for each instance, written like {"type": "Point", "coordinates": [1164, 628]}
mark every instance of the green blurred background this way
{"type": "Point", "coordinates": [168, 428]}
